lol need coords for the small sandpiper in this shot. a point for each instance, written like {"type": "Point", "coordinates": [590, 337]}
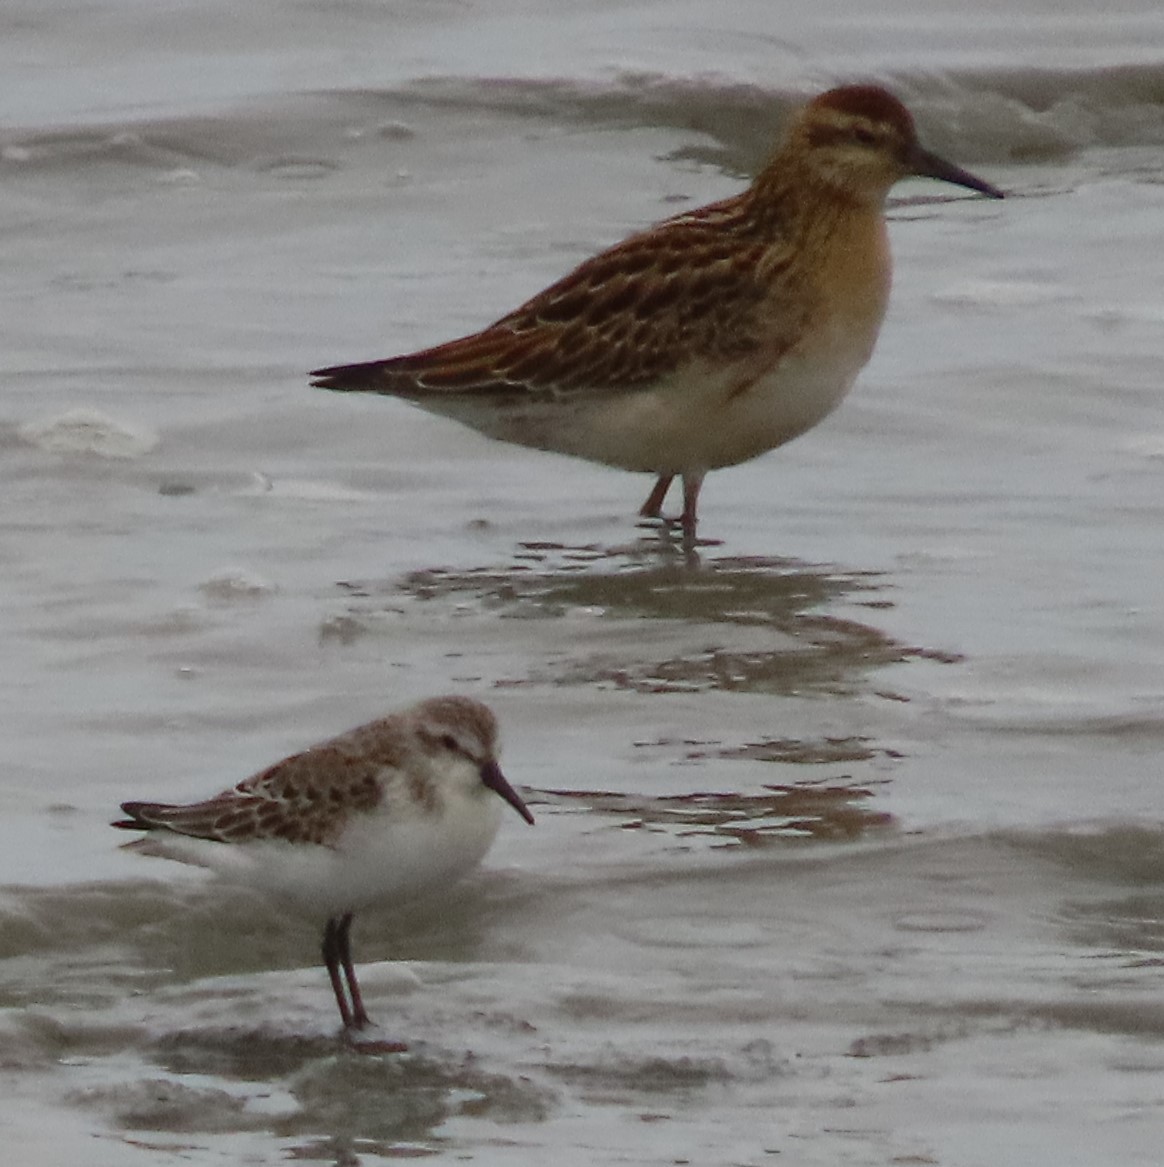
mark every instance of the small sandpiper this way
{"type": "Point", "coordinates": [381, 814]}
{"type": "Point", "coordinates": [709, 339]}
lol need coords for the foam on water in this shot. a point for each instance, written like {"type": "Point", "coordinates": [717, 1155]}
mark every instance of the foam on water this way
{"type": "Point", "coordinates": [89, 431]}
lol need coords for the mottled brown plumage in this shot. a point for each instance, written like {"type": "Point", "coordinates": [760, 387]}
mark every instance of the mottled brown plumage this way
{"type": "Point", "coordinates": [708, 339]}
{"type": "Point", "coordinates": [622, 319]}
{"type": "Point", "coordinates": [305, 798]}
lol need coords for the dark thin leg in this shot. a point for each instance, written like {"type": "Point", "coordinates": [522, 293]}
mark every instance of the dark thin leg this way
{"type": "Point", "coordinates": [332, 955]}
{"type": "Point", "coordinates": [359, 1016]}
{"type": "Point", "coordinates": [653, 507]}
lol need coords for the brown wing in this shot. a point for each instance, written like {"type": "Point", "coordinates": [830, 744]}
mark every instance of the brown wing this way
{"type": "Point", "coordinates": [690, 287]}
{"type": "Point", "coordinates": [305, 798]}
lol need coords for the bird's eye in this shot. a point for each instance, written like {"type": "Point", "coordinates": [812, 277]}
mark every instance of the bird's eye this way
{"type": "Point", "coordinates": [864, 136]}
{"type": "Point", "coordinates": [450, 743]}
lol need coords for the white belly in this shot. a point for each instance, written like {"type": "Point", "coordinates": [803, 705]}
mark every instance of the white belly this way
{"type": "Point", "coordinates": [702, 418]}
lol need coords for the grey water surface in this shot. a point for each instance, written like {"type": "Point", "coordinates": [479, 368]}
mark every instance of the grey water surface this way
{"type": "Point", "coordinates": [850, 844]}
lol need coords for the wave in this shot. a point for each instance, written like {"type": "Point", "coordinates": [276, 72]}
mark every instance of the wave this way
{"type": "Point", "coordinates": [1030, 115]}
{"type": "Point", "coordinates": [194, 926]}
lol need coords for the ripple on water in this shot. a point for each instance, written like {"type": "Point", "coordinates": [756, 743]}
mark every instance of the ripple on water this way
{"type": "Point", "coordinates": [741, 624]}
{"type": "Point", "coordinates": [776, 814]}
{"type": "Point", "coordinates": [313, 1092]}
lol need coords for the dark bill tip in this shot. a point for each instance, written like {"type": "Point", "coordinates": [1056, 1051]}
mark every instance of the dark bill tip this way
{"type": "Point", "coordinates": [931, 166]}
{"type": "Point", "coordinates": [492, 776]}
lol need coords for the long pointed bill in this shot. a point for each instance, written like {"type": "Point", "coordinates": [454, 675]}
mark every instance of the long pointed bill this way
{"type": "Point", "coordinates": [492, 776]}
{"type": "Point", "coordinates": [931, 166]}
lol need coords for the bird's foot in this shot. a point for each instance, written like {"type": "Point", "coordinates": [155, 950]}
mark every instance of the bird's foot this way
{"type": "Point", "coordinates": [357, 1038]}
{"type": "Point", "coordinates": [672, 525]}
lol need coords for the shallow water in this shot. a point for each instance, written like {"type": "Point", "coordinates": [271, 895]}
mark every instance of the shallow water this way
{"type": "Point", "coordinates": [849, 843]}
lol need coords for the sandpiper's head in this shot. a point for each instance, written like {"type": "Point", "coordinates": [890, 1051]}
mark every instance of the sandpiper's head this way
{"type": "Point", "coordinates": [860, 140]}
{"type": "Point", "coordinates": [460, 737]}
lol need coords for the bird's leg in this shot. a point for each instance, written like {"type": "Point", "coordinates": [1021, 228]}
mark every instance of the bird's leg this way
{"type": "Point", "coordinates": [692, 481]}
{"type": "Point", "coordinates": [332, 955]}
{"type": "Point", "coordinates": [359, 1016]}
{"type": "Point", "coordinates": [653, 507]}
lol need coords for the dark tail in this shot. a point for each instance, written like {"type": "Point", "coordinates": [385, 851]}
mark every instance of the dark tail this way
{"type": "Point", "coordinates": [139, 816]}
{"type": "Point", "coordinates": [365, 378]}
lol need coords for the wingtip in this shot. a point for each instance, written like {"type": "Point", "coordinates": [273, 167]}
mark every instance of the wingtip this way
{"type": "Point", "coordinates": [323, 378]}
{"type": "Point", "coordinates": [137, 820]}
{"type": "Point", "coordinates": [340, 378]}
